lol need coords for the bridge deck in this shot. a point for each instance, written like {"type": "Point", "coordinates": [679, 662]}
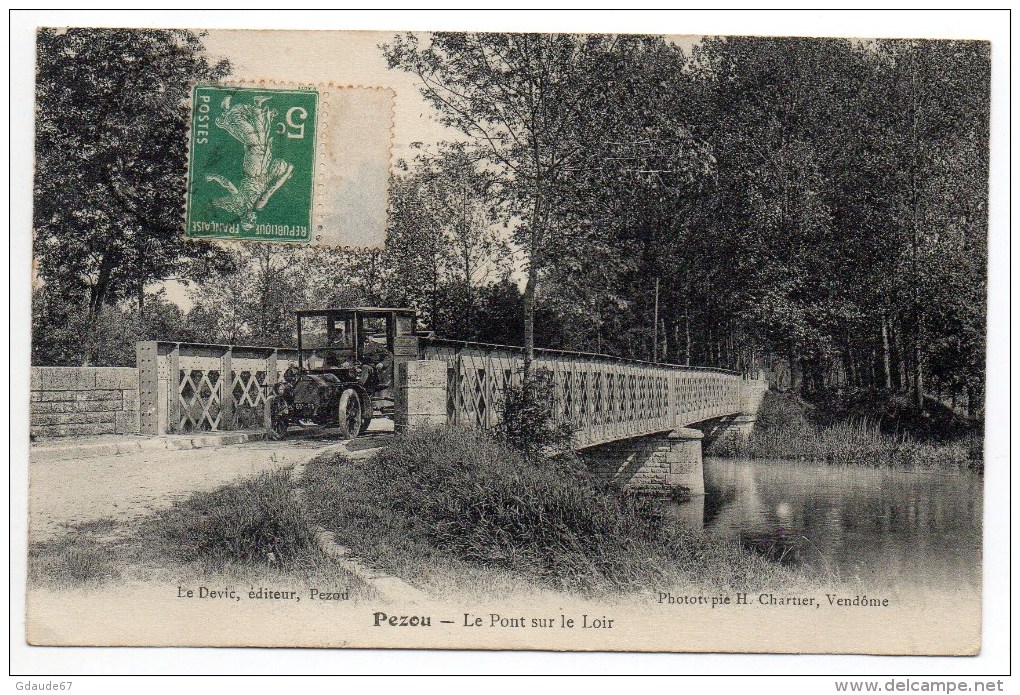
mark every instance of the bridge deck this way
{"type": "Point", "coordinates": [604, 398]}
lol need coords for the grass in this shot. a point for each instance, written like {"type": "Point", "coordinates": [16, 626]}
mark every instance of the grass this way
{"type": "Point", "coordinates": [444, 504]}
{"type": "Point", "coordinates": [254, 530]}
{"type": "Point", "coordinates": [79, 557]}
{"type": "Point", "coordinates": [255, 521]}
{"type": "Point", "coordinates": [790, 429]}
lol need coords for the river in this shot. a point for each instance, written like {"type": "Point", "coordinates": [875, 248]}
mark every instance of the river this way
{"type": "Point", "coordinates": [879, 526]}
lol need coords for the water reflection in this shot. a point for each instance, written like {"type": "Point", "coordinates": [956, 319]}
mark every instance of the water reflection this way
{"type": "Point", "coordinates": [918, 528]}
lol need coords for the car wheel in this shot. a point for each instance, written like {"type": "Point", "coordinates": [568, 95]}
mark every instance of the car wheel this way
{"type": "Point", "coordinates": [349, 412]}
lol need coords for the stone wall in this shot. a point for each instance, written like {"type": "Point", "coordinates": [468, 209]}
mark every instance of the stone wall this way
{"type": "Point", "coordinates": [657, 464]}
{"type": "Point", "coordinates": [83, 401]}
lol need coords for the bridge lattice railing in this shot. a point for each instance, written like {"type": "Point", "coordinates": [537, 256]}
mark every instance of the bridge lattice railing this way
{"type": "Point", "coordinates": [602, 397]}
{"type": "Point", "coordinates": [188, 387]}
{"type": "Point", "coordinates": [195, 387]}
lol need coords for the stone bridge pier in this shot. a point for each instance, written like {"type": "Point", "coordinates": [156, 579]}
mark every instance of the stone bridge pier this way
{"type": "Point", "coordinates": [670, 463]}
{"type": "Point", "coordinates": [657, 464]}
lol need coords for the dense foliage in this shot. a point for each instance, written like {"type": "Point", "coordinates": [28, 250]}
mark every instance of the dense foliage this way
{"type": "Point", "coordinates": [814, 208]}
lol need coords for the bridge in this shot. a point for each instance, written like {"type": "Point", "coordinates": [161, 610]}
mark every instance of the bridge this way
{"type": "Point", "coordinates": [632, 418]}
{"type": "Point", "coordinates": [603, 398]}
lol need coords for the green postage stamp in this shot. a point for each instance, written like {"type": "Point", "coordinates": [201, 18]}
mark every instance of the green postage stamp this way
{"type": "Point", "coordinates": [302, 162]}
{"type": "Point", "coordinates": [252, 167]}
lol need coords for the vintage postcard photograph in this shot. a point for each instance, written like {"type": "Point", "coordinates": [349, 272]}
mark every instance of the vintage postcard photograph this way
{"type": "Point", "coordinates": [508, 341]}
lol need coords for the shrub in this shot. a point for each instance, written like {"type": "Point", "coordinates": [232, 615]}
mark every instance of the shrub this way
{"type": "Point", "coordinates": [256, 520]}
{"type": "Point", "coordinates": [529, 424]}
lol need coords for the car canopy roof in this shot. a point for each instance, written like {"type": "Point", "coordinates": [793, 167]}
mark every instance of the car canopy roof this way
{"type": "Point", "coordinates": [356, 310]}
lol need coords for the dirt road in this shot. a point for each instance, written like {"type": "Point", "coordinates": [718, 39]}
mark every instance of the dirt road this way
{"type": "Point", "coordinates": [130, 485]}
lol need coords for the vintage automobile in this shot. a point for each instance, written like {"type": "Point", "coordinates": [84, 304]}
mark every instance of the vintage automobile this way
{"type": "Point", "coordinates": [345, 372]}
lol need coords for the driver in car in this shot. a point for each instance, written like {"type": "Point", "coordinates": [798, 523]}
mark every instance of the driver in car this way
{"type": "Point", "coordinates": [379, 360]}
{"type": "Point", "coordinates": [330, 359]}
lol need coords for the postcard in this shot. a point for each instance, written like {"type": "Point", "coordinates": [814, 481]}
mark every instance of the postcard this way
{"type": "Point", "coordinates": [508, 341]}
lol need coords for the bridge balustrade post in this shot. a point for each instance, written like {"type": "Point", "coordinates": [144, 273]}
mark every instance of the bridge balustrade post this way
{"type": "Point", "coordinates": [422, 400]}
{"type": "Point", "coordinates": [226, 385]}
{"type": "Point", "coordinates": [752, 395]}
{"type": "Point", "coordinates": [172, 397]}
{"type": "Point", "coordinates": [731, 433]}
{"type": "Point", "coordinates": [151, 418]}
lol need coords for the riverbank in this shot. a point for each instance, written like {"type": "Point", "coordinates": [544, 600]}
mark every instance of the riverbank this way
{"type": "Point", "coordinates": [861, 431]}
{"type": "Point", "coordinates": [451, 510]}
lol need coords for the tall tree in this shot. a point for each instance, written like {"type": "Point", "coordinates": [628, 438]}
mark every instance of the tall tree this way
{"type": "Point", "coordinates": [935, 96]}
{"type": "Point", "coordinates": [520, 99]}
{"type": "Point", "coordinates": [444, 243]}
{"type": "Point", "coordinates": [513, 95]}
{"type": "Point", "coordinates": [111, 147]}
